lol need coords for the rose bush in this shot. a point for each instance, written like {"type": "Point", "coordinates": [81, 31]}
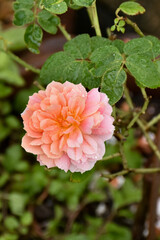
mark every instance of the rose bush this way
{"type": "Point", "coordinates": [67, 127]}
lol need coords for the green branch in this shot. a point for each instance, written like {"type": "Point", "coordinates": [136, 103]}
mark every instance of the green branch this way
{"type": "Point", "coordinates": [65, 33]}
{"type": "Point", "coordinates": [143, 110]}
{"type": "Point", "coordinates": [21, 62]}
{"type": "Point", "coordinates": [134, 26]}
{"type": "Point", "coordinates": [111, 156]}
{"type": "Point", "coordinates": [152, 122]}
{"type": "Point", "coordinates": [131, 170]}
{"type": "Point", "coordinates": [92, 12]}
{"type": "Point", "coordinates": [124, 160]}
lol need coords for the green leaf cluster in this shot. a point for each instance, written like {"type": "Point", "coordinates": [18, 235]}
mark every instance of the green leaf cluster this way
{"type": "Point", "coordinates": [142, 62]}
{"type": "Point", "coordinates": [25, 12]}
{"type": "Point", "coordinates": [92, 61]}
{"type": "Point", "coordinates": [118, 25]}
{"type": "Point", "coordinates": [99, 62]}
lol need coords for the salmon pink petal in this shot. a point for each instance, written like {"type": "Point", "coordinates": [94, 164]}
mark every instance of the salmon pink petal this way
{"type": "Point", "coordinates": [54, 87]}
{"type": "Point", "coordinates": [89, 145]}
{"type": "Point", "coordinates": [45, 123]}
{"type": "Point", "coordinates": [58, 99]}
{"type": "Point", "coordinates": [86, 125]}
{"type": "Point", "coordinates": [30, 132]}
{"type": "Point", "coordinates": [106, 127]}
{"type": "Point", "coordinates": [26, 144]}
{"type": "Point", "coordinates": [81, 167]}
{"type": "Point", "coordinates": [74, 153]}
{"type": "Point", "coordinates": [46, 138]}
{"type": "Point", "coordinates": [63, 162]}
{"type": "Point", "coordinates": [47, 151]}
{"type": "Point", "coordinates": [76, 104]}
{"type": "Point", "coordinates": [36, 142]}
{"type": "Point", "coordinates": [75, 138]}
{"type": "Point", "coordinates": [92, 102]}
{"type": "Point", "coordinates": [44, 160]}
{"type": "Point", "coordinates": [63, 143]}
{"type": "Point", "coordinates": [55, 147]}
{"type": "Point", "coordinates": [27, 113]}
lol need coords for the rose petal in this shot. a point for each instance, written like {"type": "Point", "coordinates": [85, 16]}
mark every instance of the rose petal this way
{"type": "Point", "coordinates": [26, 144]}
{"type": "Point", "coordinates": [63, 163]}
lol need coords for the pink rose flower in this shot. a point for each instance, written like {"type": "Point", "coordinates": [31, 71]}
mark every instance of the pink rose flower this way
{"type": "Point", "coordinates": [66, 126]}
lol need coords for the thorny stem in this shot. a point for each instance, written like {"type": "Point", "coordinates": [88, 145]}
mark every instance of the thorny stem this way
{"type": "Point", "coordinates": [152, 122]}
{"type": "Point", "coordinates": [131, 170]}
{"type": "Point", "coordinates": [92, 12]}
{"type": "Point", "coordinates": [124, 160]}
{"type": "Point", "coordinates": [65, 33]}
{"type": "Point", "coordinates": [111, 156]}
{"type": "Point", "coordinates": [149, 140]}
{"type": "Point", "coordinates": [134, 26]}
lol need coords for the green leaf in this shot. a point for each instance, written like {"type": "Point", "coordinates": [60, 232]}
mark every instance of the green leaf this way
{"type": "Point", "coordinates": [114, 231]}
{"type": "Point", "coordinates": [54, 6]}
{"type": "Point", "coordinates": [95, 197]}
{"type": "Point", "coordinates": [11, 223]}
{"type": "Point", "coordinates": [4, 131]}
{"type": "Point", "coordinates": [11, 77]}
{"type": "Point", "coordinates": [4, 178]}
{"type": "Point", "coordinates": [79, 177]}
{"type": "Point", "coordinates": [17, 203]}
{"type": "Point", "coordinates": [48, 21]}
{"type": "Point", "coordinates": [121, 23]}
{"type": "Point", "coordinates": [26, 219]}
{"type": "Point", "coordinates": [8, 236]}
{"type": "Point", "coordinates": [116, 20]}
{"type": "Point", "coordinates": [14, 37]}
{"type": "Point", "coordinates": [122, 29]}
{"type": "Point", "coordinates": [83, 3]}
{"type": "Point", "coordinates": [23, 4]}
{"type": "Point", "coordinates": [104, 58]}
{"type": "Point", "coordinates": [21, 98]}
{"type": "Point", "coordinates": [155, 45]}
{"type": "Point", "coordinates": [137, 45]}
{"type": "Point", "coordinates": [62, 67]}
{"type": "Point", "coordinates": [12, 157]}
{"type": "Point", "coordinates": [119, 44]}
{"type": "Point", "coordinates": [97, 42]}
{"type": "Point", "coordinates": [72, 5]}
{"type": "Point", "coordinates": [9, 71]}
{"type": "Point", "coordinates": [23, 16]}
{"type": "Point", "coordinates": [79, 47]}
{"type": "Point", "coordinates": [131, 8]}
{"type": "Point", "coordinates": [5, 91]}
{"type": "Point", "coordinates": [33, 37]}
{"type": "Point", "coordinates": [12, 122]}
{"type": "Point", "coordinates": [5, 107]}
{"type": "Point", "coordinates": [112, 84]}
{"type": "Point", "coordinates": [71, 65]}
{"type": "Point", "coordinates": [113, 28]}
{"type": "Point", "coordinates": [144, 70]}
